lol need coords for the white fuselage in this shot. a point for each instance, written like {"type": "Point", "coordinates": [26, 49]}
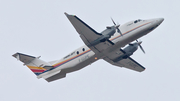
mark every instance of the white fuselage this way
{"type": "Point", "coordinates": [84, 56]}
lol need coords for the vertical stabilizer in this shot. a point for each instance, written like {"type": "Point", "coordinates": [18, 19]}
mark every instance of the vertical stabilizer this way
{"type": "Point", "coordinates": [35, 64]}
{"type": "Point", "coordinates": [40, 68]}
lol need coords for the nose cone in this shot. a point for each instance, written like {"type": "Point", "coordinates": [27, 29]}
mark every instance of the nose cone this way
{"type": "Point", "coordinates": [160, 20]}
{"type": "Point", "coordinates": [156, 22]}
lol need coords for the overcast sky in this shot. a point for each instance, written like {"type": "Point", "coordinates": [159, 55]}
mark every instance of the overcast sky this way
{"type": "Point", "coordinates": [40, 28]}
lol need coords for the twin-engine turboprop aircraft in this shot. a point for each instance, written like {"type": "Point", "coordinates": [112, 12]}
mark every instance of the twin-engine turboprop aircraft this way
{"type": "Point", "coordinates": [107, 45]}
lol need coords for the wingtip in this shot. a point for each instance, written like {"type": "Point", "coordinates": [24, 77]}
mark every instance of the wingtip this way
{"type": "Point", "coordinates": [143, 69]}
{"type": "Point", "coordinates": [14, 55]}
{"type": "Point", "coordinates": [66, 13]}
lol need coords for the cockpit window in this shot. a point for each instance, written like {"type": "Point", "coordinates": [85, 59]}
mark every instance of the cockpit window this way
{"type": "Point", "coordinates": [136, 21]}
{"type": "Point", "coordinates": [139, 20]}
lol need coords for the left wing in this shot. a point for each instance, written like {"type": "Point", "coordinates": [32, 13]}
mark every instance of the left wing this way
{"type": "Point", "coordinates": [119, 59]}
{"type": "Point", "coordinates": [88, 35]}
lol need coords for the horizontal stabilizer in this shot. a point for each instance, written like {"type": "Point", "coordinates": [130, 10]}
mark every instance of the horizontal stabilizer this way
{"type": "Point", "coordinates": [56, 77]}
{"type": "Point", "coordinates": [35, 64]}
{"type": "Point", "coordinates": [24, 58]}
{"type": "Point", "coordinates": [49, 74]}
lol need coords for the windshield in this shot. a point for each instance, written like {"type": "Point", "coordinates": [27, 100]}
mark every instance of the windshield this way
{"type": "Point", "coordinates": [136, 21]}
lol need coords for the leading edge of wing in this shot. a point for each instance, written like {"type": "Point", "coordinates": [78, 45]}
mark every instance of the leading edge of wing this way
{"type": "Point", "coordinates": [70, 17]}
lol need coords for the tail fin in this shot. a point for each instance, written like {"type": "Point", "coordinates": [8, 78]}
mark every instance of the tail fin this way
{"type": "Point", "coordinates": [40, 68]}
{"type": "Point", "coordinates": [36, 65]}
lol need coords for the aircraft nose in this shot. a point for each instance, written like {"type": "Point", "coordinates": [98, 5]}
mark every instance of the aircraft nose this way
{"type": "Point", "coordinates": [160, 20]}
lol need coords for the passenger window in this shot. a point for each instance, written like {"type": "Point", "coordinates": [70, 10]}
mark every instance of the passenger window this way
{"type": "Point", "coordinates": [77, 52]}
{"type": "Point", "coordinates": [139, 20]}
{"type": "Point", "coordinates": [83, 49]}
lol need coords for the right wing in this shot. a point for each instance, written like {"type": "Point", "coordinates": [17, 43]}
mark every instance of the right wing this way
{"type": "Point", "coordinates": [117, 59]}
{"type": "Point", "coordinates": [88, 34]}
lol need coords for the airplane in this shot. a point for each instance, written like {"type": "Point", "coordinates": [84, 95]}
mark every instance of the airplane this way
{"type": "Point", "coordinates": [108, 45]}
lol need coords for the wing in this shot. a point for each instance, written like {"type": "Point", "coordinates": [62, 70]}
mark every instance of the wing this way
{"type": "Point", "coordinates": [88, 34]}
{"type": "Point", "coordinates": [117, 58]}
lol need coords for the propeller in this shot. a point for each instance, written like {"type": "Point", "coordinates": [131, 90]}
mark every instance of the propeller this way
{"type": "Point", "coordinates": [139, 44]}
{"type": "Point", "coordinates": [117, 27]}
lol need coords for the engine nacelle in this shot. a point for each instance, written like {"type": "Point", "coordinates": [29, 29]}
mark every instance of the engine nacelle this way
{"type": "Point", "coordinates": [129, 50]}
{"type": "Point", "coordinates": [105, 36]}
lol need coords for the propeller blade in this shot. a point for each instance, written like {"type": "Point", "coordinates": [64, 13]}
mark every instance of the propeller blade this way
{"type": "Point", "coordinates": [142, 49]}
{"type": "Point", "coordinates": [113, 21]}
{"type": "Point", "coordinates": [139, 44]}
{"type": "Point", "coordinates": [118, 30]}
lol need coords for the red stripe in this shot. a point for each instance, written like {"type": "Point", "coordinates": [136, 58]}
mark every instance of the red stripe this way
{"type": "Point", "coordinates": [37, 70]}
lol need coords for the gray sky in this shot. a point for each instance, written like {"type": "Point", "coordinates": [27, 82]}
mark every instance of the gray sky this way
{"type": "Point", "coordinates": [40, 28]}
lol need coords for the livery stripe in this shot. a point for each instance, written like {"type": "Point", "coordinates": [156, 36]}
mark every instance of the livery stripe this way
{"type": "Point", "coordinates": [58, 64]}
{"type": "Point", "coordinates": [37, 71]}
{"type": "Point", "coordinates": [33, 67]}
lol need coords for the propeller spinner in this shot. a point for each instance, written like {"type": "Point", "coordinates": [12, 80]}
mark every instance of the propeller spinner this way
{"type": "Point", "coordinates": [117, 27]}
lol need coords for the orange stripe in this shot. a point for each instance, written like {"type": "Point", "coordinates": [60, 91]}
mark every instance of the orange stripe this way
{"type": "Point", "coordinates": [33, 67]}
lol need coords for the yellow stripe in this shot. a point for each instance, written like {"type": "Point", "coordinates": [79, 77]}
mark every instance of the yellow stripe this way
{"type": "Point", "coordinates": [33, 67]}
